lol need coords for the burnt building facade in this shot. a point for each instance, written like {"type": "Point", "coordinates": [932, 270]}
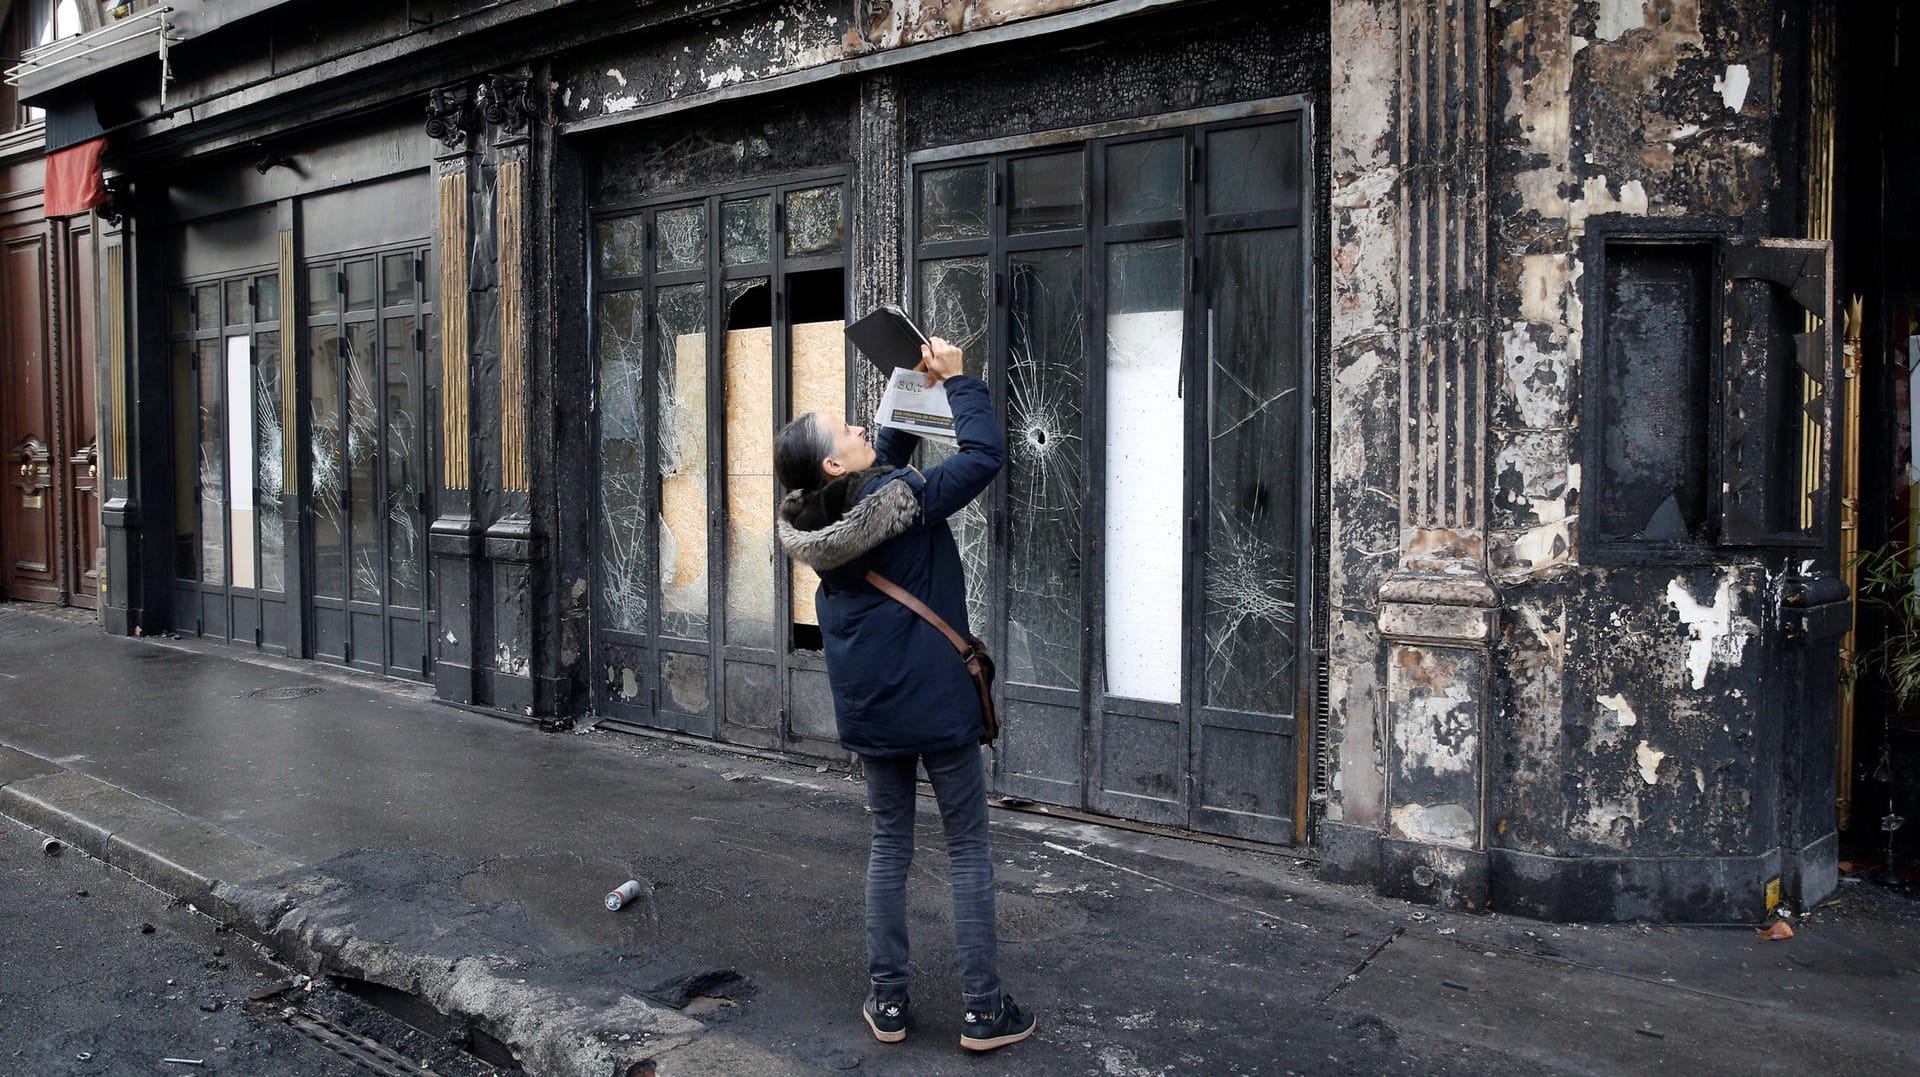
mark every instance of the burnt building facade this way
{"type": "Point", "coordinates": [1423, 424]}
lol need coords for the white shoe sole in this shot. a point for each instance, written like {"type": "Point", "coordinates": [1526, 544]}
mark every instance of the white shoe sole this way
{"type": "Point", "coordinates": [883, 1037]}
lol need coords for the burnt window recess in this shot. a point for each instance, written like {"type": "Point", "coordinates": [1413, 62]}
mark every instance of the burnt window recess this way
{"type": "Point", "coordinates": [1707, 392]}
{"type": "Point", "coordinates": [716, 319]}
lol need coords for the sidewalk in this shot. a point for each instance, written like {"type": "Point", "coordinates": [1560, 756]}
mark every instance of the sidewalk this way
{"type": "Point", "coordinates": [364, 831]}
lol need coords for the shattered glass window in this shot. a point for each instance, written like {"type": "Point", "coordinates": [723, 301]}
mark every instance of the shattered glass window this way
{"type": "Point", "coordinates": [363, 454]}
{"type": "Point", "coordinates": [954, 301]}
{"type": "Point", "coordinates": [213, 465]}
{"type": "Point", "coordinates": [749, 470]}
{"type": "Point", "coordinates": [1047, 353]}
{"type": "Point", "coordinates": [620, 323]}
{"type": "Point", "coordinates": [269, 451]}
{"type": "Point", "coordinates": [326, 445]}
{"type": "Point", "coordinates": [622, 247]}
{"type": "Point", "coordinates": [1253, 440]}
{"type": "Point", "coordinates": [746, 230]}
{"type": "Point", "coordinates": [954, 203]}
{"type": "Point", "coordinates": [816, 220]}
{"type": "Point", "coordinates": [680, 238]}
{"type": "Point", "coordinates": [186, 464]}
{"type": "Point", "coordinates": [1146, 181]}
{"type": "Point", "coordinates": [1048, 193]}
{"type": "Point", "coordinates": [682, 319]}
{"type": "Point", "coordinates": [404, 481]}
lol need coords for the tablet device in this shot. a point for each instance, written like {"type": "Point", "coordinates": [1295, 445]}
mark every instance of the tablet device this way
{"type": "Point", "coordinates": [888, 338]}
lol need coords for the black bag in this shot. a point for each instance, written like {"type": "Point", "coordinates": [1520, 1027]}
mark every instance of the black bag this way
{"type": "Point", "coordinates": [973, 651]}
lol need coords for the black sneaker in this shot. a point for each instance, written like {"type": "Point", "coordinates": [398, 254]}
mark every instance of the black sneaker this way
{"type": "Point", "coordinates": [887, 1018]}
{"type": "Point", "coordinates": [986, 1031]}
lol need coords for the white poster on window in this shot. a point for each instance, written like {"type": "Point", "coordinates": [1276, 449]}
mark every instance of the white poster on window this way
{"type": "Point", "coordinates": [1145, 479]}
{"type": "Point", "coordinates": [240, 473]}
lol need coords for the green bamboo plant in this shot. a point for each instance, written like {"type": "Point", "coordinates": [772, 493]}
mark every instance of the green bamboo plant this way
{"type": "Point", "coordinates": [1889, 582]}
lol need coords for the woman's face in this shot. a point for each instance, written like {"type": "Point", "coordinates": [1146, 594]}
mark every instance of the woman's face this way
{"type": "Point", "coordinates": [851, 450]}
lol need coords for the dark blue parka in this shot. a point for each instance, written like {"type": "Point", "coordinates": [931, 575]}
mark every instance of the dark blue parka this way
{"type": "Point", "coordinates": [899, 687]}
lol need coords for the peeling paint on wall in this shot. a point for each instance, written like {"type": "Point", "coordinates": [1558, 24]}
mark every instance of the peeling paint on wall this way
{"type": "Point", "coordinates": [1442, 824]}
{"type": "Point", "coordinates": [1649, 759]}
{"type": "Point", "coordinates": [1716, 632]}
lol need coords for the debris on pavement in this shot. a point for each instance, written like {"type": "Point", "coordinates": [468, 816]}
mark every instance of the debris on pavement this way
{"type": "Point", "coordinates": [1779, 932]}
{"type": "Point", "coordinates": [621, 896]}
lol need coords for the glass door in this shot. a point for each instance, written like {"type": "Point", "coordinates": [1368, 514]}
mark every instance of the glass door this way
{"type": "Point", "coordinates": [370, 325]}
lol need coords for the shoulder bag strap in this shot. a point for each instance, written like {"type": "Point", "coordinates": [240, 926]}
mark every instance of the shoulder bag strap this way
{"type": "Point", "coordinates": [899, 594]}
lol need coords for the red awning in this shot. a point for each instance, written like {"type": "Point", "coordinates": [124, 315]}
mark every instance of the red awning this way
{"type": "Point", "coordinates": [73, 179]}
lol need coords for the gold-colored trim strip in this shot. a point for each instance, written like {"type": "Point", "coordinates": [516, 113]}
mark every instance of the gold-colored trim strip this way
{"type": "Point", "coordinates": [453, 328]}
{"type": "Point", "coordinates": [513, 334]}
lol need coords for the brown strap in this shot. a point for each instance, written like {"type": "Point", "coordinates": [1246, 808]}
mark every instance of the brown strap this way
{"type": "Point", "coordinates": [899, 594]}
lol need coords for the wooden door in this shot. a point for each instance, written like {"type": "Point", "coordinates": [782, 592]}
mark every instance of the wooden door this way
{"type": "Point", "coordinates": [29, 566]}
{"type": "Point", "coordinates": [79, 403]}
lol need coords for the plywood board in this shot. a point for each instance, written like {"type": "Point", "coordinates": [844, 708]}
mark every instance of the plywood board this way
{"type": "Point", "coordinates": [683, 479]}
{"type": "Point", "coordinates": [749, 478]}
{"type": "Point", "coordinates": [819, 384]}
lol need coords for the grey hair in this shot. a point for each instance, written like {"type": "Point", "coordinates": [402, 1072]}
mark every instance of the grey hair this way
{"type": "Point", "coordinates": [798, 450]}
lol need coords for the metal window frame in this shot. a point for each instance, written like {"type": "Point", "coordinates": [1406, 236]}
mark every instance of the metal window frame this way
{"type": "Point", "coordinates": [1195, 228]}
{"type": "Point", "coordinates": [781, 658]}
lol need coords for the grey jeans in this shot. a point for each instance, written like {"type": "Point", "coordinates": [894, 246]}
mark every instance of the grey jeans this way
{"type": "Point", "coordinates": [960, 786]}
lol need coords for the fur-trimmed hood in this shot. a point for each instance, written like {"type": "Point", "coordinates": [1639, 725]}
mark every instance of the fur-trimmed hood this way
{"type": "Point", "coordinates": [826, 528]}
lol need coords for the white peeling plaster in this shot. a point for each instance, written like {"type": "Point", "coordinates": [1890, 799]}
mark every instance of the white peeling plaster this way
{"type": "Point", "coordinates": [1616, 17]}
{"type": "Point", "coordinates": [1444, 824]}
{"type": "Point", "coordinates": [1578, 43]}
{"type": "Point", "coordinates": [629, 685]}
{"type": "Point", "coordinates": [1716, 633]}
{"type": "Point", "coordinates": [509, 663]}
{"type": "Point", "coordinates": [614, 74]}
{"type": "Point", "coordinates": [1700, 779]}
{"type": "Point", "coordinates": [1649, 758]}
{"type": "Point", "coordinates": [622, 104]}
{"type": "Point", "coordinates": [1543, 287]}
{"type": "Point", "coordinates": [1621, 710]}
{"type": "Point", "coordinates": [1534, 547]}
{"type": "Point", "coordinates": [1540, 190]}
{"type": "Point", "coordinates": [728, 77]}
{"type": "Point", "coordinates": [1600, 819]}
{"type": "Point", "coordinates": [1733, 86]}
{"type": "Point", "coordinates": [1418, 729]}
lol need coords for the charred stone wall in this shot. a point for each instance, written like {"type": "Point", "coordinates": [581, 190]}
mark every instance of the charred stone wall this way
{"type": "Point", "coordinates": [1635, 713]}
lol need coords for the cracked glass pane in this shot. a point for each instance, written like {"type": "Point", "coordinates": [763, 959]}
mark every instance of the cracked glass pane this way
{"type": "Point", "coordinates": [213, 486]}
{"type": "Point", "coordinates": [953, 203]}
{"type": "Point", "coordinates": [1145, 461]}
{"type": "Point", "coordinates": [186, 465]}
{"type": "Point", "coordinates": [363, 454]}
{"type": "Point", "coordinates": [404, 482]}
{"type": "Point", "coordinates": [746, 230]}
{"type": "Point", "coordinates": [269, 451]}
{"type": "Point", "coordinates": [1047, 354]}
{"type": "Point", "coordinates": [682, 320]}
{"type": "Point", "coordinates": [680, 238]}
{"type": "Point", "coordinates": [1048, 193]}
{"type": "Point", "coordinates": [954, 301]}
{"type": "Point", "coordinates": [622, 247]}
{"type": "Point", "coordinates": [815, 222]}
{"type": "Point", "coordinates": [749, 432]}
{"type": "Point", "coordinates": [1253, 438]}
{"type": "Point", "coordinates": [620, 323]}
{"type": "Point", "coordinates": [1145, 181]}
{"type": "Point", "coordinates": [1253, 168]}
{"type": "Point", "coordinates": [324, 444]}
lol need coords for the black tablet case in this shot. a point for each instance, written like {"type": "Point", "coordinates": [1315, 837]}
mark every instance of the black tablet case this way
{"type": "Point", "coordinates": [888, 338]}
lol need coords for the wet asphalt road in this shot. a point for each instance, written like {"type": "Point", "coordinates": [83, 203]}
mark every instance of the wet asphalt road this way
{"type": "Point", "coordinates": [87, 988]}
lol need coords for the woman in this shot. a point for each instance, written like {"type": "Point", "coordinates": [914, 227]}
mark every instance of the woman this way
{"type": "Point", "coordinates": [901, 693]}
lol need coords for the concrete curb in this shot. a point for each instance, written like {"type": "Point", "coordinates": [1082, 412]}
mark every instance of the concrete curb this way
{"type": "Point", "coordinates": [308, 924]}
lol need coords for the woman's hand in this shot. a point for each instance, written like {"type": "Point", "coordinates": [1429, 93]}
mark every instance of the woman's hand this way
{"type": "Point", "coordinates": [939, 361]}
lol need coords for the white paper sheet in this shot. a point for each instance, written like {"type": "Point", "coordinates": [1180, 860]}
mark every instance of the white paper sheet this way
{"type": "Point", "coordinates": [1146, 477]}
{"type": "Point", "coordinates": [912, 405]}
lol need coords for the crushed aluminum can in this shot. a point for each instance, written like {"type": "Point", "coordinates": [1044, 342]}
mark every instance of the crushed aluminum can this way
{"type": "Point", "coordinates": [620, 896]}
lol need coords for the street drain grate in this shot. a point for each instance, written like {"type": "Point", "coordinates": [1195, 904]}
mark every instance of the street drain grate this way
{"type": "Point", "coordinates": [289, 691]}
{"type": "Point", "coordinates": [367, 1054]}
